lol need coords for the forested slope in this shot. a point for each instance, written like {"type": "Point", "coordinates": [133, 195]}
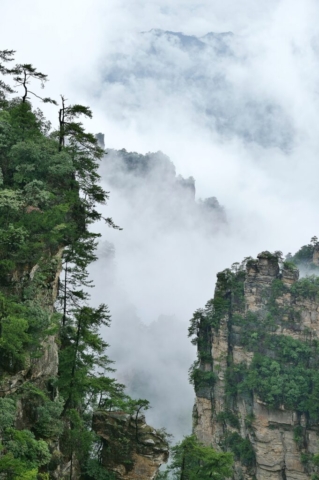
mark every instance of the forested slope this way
{"type": "Point", "coordinates": [54, 371]}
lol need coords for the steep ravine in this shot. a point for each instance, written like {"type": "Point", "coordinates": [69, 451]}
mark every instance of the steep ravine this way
{"type": "Point", "coordinates": [256, 378]}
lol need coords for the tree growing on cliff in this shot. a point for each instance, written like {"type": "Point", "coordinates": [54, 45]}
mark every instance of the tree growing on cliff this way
{"type": "Point", "coordinates": [49, 196]}
{"type": "Point", "coordinates": [191, 460]}
{"type": "Point", "coordinates": [23, 74]}
{"type": "Point", "coordinates": [83, 354]}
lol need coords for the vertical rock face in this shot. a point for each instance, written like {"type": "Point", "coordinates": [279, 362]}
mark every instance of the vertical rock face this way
{"type": "Point", "coordinates": [262, 401]}
{"type": "Point", "coordinates": [131, 449]}
{"type": "Point", "coordinates": [44, 366]}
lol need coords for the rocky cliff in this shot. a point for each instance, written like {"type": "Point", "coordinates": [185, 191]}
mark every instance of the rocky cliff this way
{"type": "Point", "coordinates": [53, 362]}
{"type": "Point", "coordinates": [42, 280]}
{"type": "Point", "coordinates": [131, 449]}
{"type": "Point", "coordinates": [256, 378]}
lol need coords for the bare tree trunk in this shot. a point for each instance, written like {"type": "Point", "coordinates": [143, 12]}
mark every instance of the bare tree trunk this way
{"type": "Point", "coordinates": [25, 87]}
{"type": "Point", "coordinates": [183, 468]}
{"type": "Point", "coordinates": [65, 290]}
{"type": "Point", "coordinates": [62, 124]}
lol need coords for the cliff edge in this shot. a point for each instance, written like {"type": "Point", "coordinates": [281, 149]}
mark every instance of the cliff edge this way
{"type": "Point", "coordinates": [257, 377]}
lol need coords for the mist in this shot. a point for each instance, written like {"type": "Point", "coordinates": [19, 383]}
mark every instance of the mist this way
{"type": "Point", "coordinates": [153, 275]}
{"type": "Point", "coordinates": [228, 91]}
{"type": "Point", "coordinates": [205, 102]}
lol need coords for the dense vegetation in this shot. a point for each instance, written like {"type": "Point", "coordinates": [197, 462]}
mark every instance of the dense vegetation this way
{"type": "Point", "coordinates": [191, 460]}
{"type": "Point", "coordinates": [229, 295]}
{"type": "Point", "coordinates": [282, 370]}
{"type": "Point", "coordinates": [49, 197]}
{"type": "Point", "coordinates": [49, 192]}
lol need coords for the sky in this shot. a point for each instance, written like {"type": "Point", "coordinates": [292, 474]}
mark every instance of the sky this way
{"type": "Point", "coordinates": [241, 118]}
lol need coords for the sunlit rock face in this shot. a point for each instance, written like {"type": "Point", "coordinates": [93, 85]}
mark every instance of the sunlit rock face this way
{"type": "Point", "coordinates": [261, 402]}
{"type": "Point", "coordinates": [131, 449]}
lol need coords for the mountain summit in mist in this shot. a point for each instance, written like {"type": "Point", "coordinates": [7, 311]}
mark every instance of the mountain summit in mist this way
{"type": "Point", "coordinates": [151, 180]}
{"type": "Point", "coordinates": [220, 42]}
{"type": "Point", "coordinates": [204, 77]}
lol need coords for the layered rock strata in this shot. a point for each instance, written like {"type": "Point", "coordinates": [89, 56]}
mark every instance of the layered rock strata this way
{"type": "Point", "coordinates": [257, 306]}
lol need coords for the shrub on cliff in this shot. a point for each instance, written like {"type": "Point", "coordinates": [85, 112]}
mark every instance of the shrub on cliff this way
{"type": "Point", "coordinates": [191, 460]}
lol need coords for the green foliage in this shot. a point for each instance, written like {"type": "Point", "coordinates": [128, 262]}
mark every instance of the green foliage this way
{"type": "Point", "coordinates": [229, 293]}
{"type": "Point", "coordinates": [191, 460]}
{"type": "Point", "coordinates": [306, 459]}
{"type": "Point", "coordinates": [289, 350]}
{"type": "Point", "coordinates": [277, 384]}
{"type": "Point", "coordinates": [241, 448]}
{"type": "Point", "coordinates": [48, 422]}
{"type": "Point", "coordinates": [20, 453]}
{"type": "Point", "coordinates": [22, 444]}
{"type": "Point", "coordinates": [7, 413]}
{"type": "Point", "coordinates": [83, 353]}
{"type": "Point", "coordinates": [249, 419]}
{"type": "Point", "coordinates": [272, 256]}
{"type": "Point", "coordinates": [201, 378]}
{"type": "Point", "coordinates": [77, 438]}
{"type": "Point", "coordinates": [304, 255]}
{"type": "Point", "coordinates": [228, 417]}
{"type": "Point", "coordinates": [299, 436]}
{"type": "Point", "coordinates": [254, 330]}
{"type": "Point", "coordinates": [162, 475]}
{"type": "Point", "coordinates": [235, 376]}
{"type": "Point", "coordinates": [283, 370]}
{"type": "Point", "coordinates": [95, 471]}
{"type": "Point", "coordinates": [289, 265]}
{"type": "Point", "coordinates": [22, 328]}
{"type": "Point", "coordinates": [14, 337]}
{"type": "Point", "coordinates": [49, 192]}
{"type": "Point", "coordinates": [307, 287]}
{"type": "Point", "coordinates": [304, 258]}
{"type": "Point", "coordinates": [295, 386]}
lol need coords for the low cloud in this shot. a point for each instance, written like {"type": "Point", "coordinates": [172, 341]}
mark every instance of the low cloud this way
{"type": "Point", "coordinates": [238, 113]}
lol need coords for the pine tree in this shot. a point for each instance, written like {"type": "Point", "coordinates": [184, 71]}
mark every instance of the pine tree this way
{"type": "Point", "coordinates": [23, 74]}
{"type": "Point", "coordinates": [49, 197]}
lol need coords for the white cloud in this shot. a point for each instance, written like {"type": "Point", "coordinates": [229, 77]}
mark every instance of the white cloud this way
{"type": "Point", "coordinates": [263, 167]}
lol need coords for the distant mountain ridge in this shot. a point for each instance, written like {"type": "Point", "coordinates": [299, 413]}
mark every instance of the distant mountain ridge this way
{"type": "Point", "coordinates": [170, 197]}
{"type": "Point", "coordinates": [207, 78]}
{"type": "Point", "coordinates": [220, 41]}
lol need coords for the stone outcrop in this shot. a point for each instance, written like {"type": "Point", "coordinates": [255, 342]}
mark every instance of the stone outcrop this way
{"type": "Point", "coordinates": [270, 431]}
{"type": "Point", "coordinates": [131, 449]}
